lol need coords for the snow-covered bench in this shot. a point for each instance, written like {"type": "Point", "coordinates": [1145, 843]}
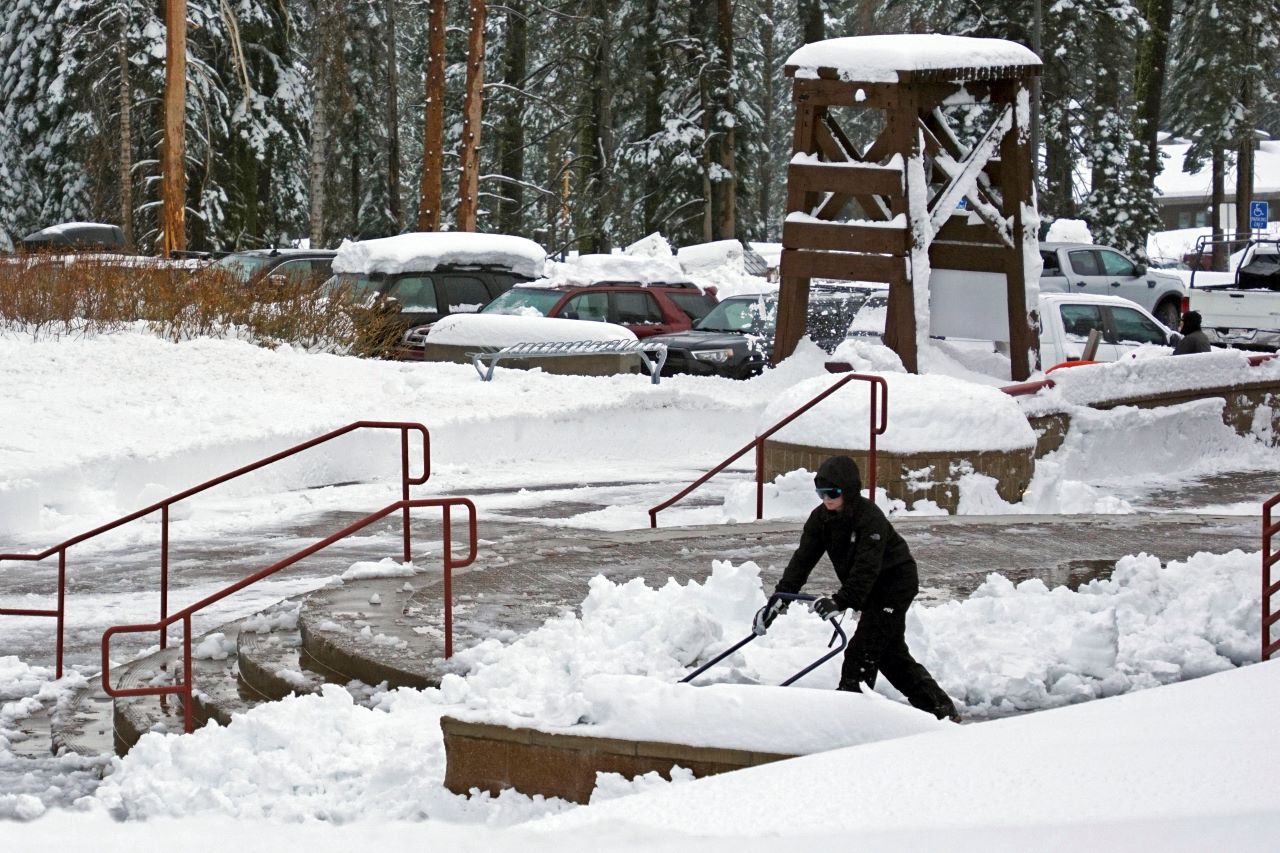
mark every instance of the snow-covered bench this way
{"type": "Point", "coordinates": [486, 360]}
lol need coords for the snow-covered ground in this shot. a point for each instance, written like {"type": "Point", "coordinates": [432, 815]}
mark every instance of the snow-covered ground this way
{"type": "Point", "coordinates": [97, 427]}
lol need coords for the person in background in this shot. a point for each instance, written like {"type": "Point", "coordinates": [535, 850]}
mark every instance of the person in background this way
{"type": "Point", "coordinates": [1193, 339]}
{"type": "Point", "coordinates": [878, 578]}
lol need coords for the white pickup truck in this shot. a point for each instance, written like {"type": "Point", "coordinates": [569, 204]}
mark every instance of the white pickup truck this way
{"type": "Point", "coordinates": [1102, 271]}
{"type": "Point", "coordinates": [1240, 308]}
{"type": "Point", "coordinates": [1065, 320]}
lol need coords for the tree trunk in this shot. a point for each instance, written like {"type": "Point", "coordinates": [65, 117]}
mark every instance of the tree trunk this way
{"type": "Point", "coordinates": [654, 82]}
{"type": "Point", "coordinates": [768, 120]}
{"type": "Point", "coordinates": [1149, 74]}
{"type": "Point", "coordinates": [511, 144]}
{"type": "Point", "coordinates": [393, 121]}
{"type": "Point", "coordinates": [1218, 196]}
{"type": "Point", "coordinates": [469, 185]}
{"type": "Point", "coordinates": [812, 20]}
{"type": "Point", "coordinates": [126, 143]}
{"type": "Point", "coordinates": [432, 189]}
{"type": "Point", "coordinates": [174, 181]}
{"type": "Point", "coordinates": [727, 221]}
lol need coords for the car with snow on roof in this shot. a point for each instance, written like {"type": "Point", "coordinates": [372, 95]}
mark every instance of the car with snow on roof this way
{"type": "Point", "coordinates": [647, 296]}
{"type": "Point", "coordinates": [423, 277]}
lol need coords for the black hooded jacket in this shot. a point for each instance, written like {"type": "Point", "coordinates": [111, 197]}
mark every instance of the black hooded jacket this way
{"type": "Point", "coordinates": [871, 560]}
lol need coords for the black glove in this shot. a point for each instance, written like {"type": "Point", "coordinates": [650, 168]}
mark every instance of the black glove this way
{"type": "Point", "coordinates": [765, 616]}
{"type": "Point", "coordinates": [827, 607]}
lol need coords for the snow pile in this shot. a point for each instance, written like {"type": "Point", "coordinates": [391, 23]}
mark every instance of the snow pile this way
{"type": "Point", "coordinates": [1145, 626]}
{"type": "Point", "coordinates": [1069, 231]}
{"type": "Point", "coordinates": [601, 269]}
{"type": "Point", "coordinates": [1182, 768]}
{"type": "Point", "coordinates": [878, 59]}
{"type": "Point", "coordinates": [1143, 377]}
{"type": "Point", "coordinates": [503, 330]}
{"type": "Point", "coordinates": [722, 265]}
{"type": "Point", "coordinates": [354, 763]}
{"type": "Point", "coordinates": [790, 496]}
{"type": "Point", "coordinates": [927, 413]}
{"type": "Point", "coordinates": [424, 251]}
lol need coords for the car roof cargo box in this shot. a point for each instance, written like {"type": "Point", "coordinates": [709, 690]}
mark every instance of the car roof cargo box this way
{"type": "Point", "coordinates": [76, 235]}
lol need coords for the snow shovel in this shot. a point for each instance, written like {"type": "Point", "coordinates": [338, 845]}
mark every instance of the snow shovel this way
{"type": "Point", "coordinates": [837, 634]}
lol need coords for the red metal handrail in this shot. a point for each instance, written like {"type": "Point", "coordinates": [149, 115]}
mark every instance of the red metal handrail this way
{"type": "Point", "coordinates": [163, 506]}
{"type": "Point", "coordinates": [877, 426]}
{"type": "Point", "coordinates": [1269, 558]}
{"type": "Point", "coordinates": [185, 686]}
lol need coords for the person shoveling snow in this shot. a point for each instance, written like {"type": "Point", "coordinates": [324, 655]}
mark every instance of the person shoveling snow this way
{"type": "Point", "coordinates": [878, 579]}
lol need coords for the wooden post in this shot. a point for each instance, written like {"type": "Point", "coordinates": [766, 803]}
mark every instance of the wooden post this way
{"type": "Point", "coordinates": [1016, 190]}
{"type": "Point", "coordinates": [468, 187]}
{"type": "Point", "coordinates": [900, 319]}
{"type": "Point", "coordinates": [173, 185]}
{"type": "Point", "coordinates": [793, 291]}
{"type": "Point", "coordinates": [433, 124]}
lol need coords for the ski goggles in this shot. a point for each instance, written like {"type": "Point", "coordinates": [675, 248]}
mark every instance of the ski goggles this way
{"type": "Point", "coordinates": [829, 492]}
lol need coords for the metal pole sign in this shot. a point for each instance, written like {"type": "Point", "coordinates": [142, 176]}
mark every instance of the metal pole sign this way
{"type": "Point", "coordinates": [1259, 213]}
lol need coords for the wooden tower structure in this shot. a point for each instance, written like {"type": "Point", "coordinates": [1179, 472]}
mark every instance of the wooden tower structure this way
{"type": "Point", "coordinates": [917, 202]}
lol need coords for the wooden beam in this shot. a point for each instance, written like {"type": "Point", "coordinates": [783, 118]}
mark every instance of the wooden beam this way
{"type": "Point", "coordinates": [842, 237]}
{"type": "Point", "coordinates": [842, 266]}
{"type": "Point", "coordinates": [804, 141]}
{"type": "Point", "coordinates": [1017, 191]}
{"type": "Point", "coordinates": [847, 179]}
{"type": "Point", "coordinates": [971, 257]}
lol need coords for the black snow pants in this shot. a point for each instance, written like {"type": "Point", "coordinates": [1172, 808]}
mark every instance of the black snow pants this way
{"type": "Point", "coordinates": [879, 644]}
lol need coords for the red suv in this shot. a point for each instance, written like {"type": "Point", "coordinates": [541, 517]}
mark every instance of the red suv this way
{"type": "Point", "coordinates": [645, 309]}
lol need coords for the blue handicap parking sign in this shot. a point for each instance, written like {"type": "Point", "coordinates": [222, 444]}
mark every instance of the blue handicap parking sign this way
{"type": "Point", "coordinates": [1259, 213]}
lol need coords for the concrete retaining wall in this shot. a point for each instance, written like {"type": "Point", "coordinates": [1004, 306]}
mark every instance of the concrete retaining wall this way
{"type": "Point", "coordinates": [915, 476]}
{"type": "Point", "coordinates": [491, 758]}
{"type": "Point", "coordinates": [1245, 404]}
{"type": "Point", "coordinates": [562, 365]}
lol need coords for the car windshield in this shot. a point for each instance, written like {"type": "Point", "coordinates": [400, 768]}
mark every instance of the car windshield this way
{"type": "Point", "coordinates": [243, 267]}
{"type": "Point", "coordinates": [526, 301]}
{"type": "Point", "coordinates": [356, 286]}
{"type": "Point", "coordinates": [742, 314]}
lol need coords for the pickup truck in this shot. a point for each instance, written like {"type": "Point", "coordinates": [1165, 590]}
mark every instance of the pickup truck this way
{"type": "Point", "coordinates": [1102, 271]}
{"type": "Point", "coordinates": [1065, 320]}
{"type": "Point", "coordinates": [1240, 308]}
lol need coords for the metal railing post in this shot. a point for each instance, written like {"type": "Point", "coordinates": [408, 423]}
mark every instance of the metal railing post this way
{"type": "Point", "coordinates": [188, 678]}
{"type": "Point", "coordinates": [448, 583]}
{"type": "Point", "coordinates": [62, 606]}
{"type": "Point", "coordinates": [404, 493]}
{"type": "Point", "coordinates": [1269, 587]}
{"type": "Point", "coordinates": [871, 448]}
{"type": "Point", "coordinates": [759, 480]}
{"type": "Point", "coordinates": [164, 575]}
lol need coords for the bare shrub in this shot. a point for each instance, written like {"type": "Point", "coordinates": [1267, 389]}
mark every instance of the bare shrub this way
{"type": "Point", "coordinates": [55, 296]}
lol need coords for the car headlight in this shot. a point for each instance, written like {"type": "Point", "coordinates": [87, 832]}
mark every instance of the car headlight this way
{"type": "Point", "coordinates": [713, 356]}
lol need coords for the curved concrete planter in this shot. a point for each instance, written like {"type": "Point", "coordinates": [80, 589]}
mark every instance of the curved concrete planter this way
{"type": "Point", "coordinates": [488, 757]}
{"type": "Point", "coordinates": [910, 477]}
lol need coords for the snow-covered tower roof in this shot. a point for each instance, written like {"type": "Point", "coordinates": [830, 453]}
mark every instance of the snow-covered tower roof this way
{"type": "Point", "coordinates": [912, 58]}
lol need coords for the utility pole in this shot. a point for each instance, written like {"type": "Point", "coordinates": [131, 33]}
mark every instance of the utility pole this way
{"type": "Point", "coordinates": [468, 186]}
{"type": "Point", "coordinates": [173, 182]}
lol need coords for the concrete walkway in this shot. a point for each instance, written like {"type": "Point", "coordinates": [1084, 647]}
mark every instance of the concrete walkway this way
{"type": "Point", "coordinates": [391, 629]}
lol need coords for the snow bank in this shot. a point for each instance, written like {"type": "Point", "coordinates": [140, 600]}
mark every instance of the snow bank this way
{"type": "Point", "coordinates": [878, 59]}
{"type": "Point", "coordinates": [1183, 763]}
{"type": "Point", "coordinates": [502, 330]}
{"type": "Point", "coordinates": [424, 251]}
{"type": "Point", "coordinates": [926, 413]}
{"type": "Point", "coordinates": [1143, 377]}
